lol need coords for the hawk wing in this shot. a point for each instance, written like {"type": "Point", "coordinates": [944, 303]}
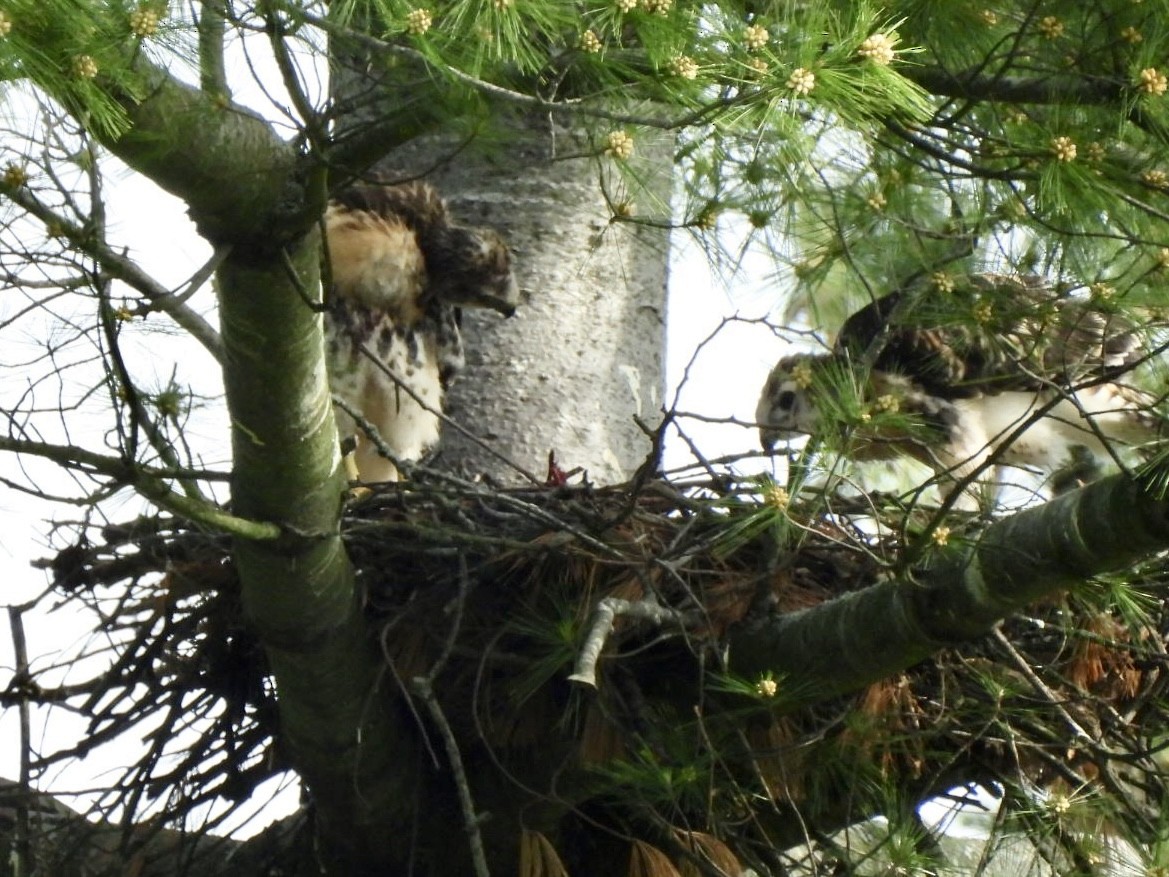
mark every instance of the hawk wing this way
{"type": "Point", "coordinates": [417, 205]}
{"type": "Point", "coordinates": [461, 265]}
{"type": "Point", "coordinates": [990, 334]}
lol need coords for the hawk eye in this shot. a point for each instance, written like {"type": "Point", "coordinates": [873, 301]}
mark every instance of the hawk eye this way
{"type": "Point", "coordinates": [787, 399]}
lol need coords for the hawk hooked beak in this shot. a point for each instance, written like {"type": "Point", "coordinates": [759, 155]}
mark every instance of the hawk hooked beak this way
{"type": "Point", "coordinates": [506, 300]}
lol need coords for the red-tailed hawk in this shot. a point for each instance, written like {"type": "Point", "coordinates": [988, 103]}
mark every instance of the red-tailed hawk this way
{"type": "Point", "coordinates": [400, 271]}
{"type": "Point", "coordinates": [1031, 378]}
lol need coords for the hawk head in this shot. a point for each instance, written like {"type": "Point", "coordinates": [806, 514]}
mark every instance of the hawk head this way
{"type": "Point", "coordinates": [1028, 378]}
{"type": "Point", "coordinates": [469, 267]}
{"type": "Point", "coordinates": [785, 409]}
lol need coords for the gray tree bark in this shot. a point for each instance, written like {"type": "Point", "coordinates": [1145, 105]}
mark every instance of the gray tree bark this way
{"type": "Point", "coordinates": [583, 355]}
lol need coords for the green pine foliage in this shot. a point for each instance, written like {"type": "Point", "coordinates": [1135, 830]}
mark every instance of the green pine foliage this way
{"type": "Point", "coordinates": [868, 148]}
{"type": "Point", "coordinates": [83, 52]}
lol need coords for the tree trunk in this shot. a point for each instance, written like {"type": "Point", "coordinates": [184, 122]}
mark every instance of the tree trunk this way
{"type": "Point", "coordinates": [583, 355]}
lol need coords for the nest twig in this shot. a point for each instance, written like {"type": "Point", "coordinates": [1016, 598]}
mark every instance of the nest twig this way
{"type": "Point", "coordinates": [527, 560]}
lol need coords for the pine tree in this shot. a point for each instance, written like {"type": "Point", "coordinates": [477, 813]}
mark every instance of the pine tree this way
{"type": "Point", "coordinates": [693, 674]}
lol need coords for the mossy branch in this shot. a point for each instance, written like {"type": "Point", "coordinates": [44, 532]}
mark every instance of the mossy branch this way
{"type": "Point", "coordinates": [959, 592]}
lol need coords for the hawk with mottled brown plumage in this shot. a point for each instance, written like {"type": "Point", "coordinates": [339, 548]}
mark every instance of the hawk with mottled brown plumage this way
{"type": "Point", "coordinates": [1034, 377]}
{"type": "Point", "coordinates": [401, 269]}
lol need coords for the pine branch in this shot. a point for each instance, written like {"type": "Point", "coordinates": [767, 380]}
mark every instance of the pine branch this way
{"type": "Point", "coordinates": [178, 137]}
{"type": "Point", "coordinates": [958, 594]}
{"type": "Point", "coordinates": [150, 483]}
{"type": "Point", "coordinates": [976, 84]}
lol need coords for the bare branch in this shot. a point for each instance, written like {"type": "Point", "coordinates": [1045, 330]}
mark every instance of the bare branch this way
{"type": "Point", "coordinates": [1062, 88]}
{"type": "Point", "coordinates": [604, 616]}
{"type": "Point", "coordinates": [309, 116]}
{"type": "Point", "coordinates": [125, 269]}
{"type": "Point", "coordinates": [148, 482]}
{"type": "Point", "coordinates": [22, 861]}
{"type": "Point", "coordinates": [404, 387]}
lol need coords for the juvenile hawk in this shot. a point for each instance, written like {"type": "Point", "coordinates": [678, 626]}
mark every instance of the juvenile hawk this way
{"type": "Point", "coordinates": [1032, 378]}
{"type": "Point", "coordinates": [401, 268]}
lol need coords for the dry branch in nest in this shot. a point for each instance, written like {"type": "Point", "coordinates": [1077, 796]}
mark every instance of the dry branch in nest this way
{"type": "Point", "coordinates": [492, 597]}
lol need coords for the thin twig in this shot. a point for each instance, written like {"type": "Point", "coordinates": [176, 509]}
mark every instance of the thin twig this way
{"type": "Point", "coordinates": [21, 860]}
{"type": "Point", "coordinates": [123, 268]}
{"type": "Point", "coordinates": [1024, 667]}
{"type": "Point", "coordinates": [574, 106]}
{"type": "Point", "coordinates": [150, 483]}
{"type": "Point", "coordinates": [424, 687]}
{"type": "Point", "coordinates": [529, 509]}
{"type": "Point", "coordinates": [447, 421]}
{"type": "Point", "coordinates": [369, 431]}
{"type": "Point", "coordinates": [471, 820]}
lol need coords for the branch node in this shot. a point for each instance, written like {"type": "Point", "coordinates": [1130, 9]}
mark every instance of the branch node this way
{"type": "Point", "coordinates": [604, 619]}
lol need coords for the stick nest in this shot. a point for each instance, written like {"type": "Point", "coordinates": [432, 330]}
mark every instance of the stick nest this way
{"type": "Point", "coordinates": [500, 585]}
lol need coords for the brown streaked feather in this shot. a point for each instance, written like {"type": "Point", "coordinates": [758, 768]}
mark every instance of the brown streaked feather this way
{"type": "Point", "coordinates": [375, 260]}
{"type": "Point", "coordinates": [418, 205]}
{"type": "Point", "coordinates": [400, 269]}
{"type": "Point", "coordinates": [464, 266]}
{"type": "Point", "coordinates": [1035, 335]}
